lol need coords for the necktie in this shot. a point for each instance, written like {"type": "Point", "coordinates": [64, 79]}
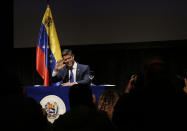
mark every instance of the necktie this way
{"type": "Point", "coordinates": [71, 76]}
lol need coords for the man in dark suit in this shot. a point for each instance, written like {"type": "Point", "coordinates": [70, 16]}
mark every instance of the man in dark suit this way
{"type": "Point", "coordinates": [69, 72]}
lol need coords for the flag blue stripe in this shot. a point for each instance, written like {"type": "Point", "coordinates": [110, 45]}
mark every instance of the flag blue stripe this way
{"type": "Point", "coordinates": [43, 42]}
{"type": "Point", "coordinates": [50, 60]}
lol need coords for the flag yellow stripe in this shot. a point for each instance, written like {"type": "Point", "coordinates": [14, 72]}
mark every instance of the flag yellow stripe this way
{"type": "Point", "coordinates": [52, 34]}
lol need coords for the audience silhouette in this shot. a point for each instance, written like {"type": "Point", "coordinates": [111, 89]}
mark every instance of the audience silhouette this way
{"type": "Point", "coordinates": [23, 113]}
{"type": "Point", "coordinates": [83, 115]}
{"type": "Point", "coordinates": [156, 104]}
{"type": "Point", "coordinates": [107, 101]}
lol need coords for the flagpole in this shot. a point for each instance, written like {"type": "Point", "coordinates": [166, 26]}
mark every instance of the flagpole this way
{"type": "Point", "coordinates": [48, 2]}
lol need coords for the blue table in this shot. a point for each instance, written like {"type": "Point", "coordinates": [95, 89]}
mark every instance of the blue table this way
{"type": "Point", "coordinates": [39, 92]}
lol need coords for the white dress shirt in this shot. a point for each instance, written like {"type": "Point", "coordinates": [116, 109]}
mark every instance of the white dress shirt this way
{"type": "Point", "coordinates": [74, 69]}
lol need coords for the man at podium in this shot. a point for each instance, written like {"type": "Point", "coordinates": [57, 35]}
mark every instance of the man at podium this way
{"type": "Point", "coordinates": [70, 72]}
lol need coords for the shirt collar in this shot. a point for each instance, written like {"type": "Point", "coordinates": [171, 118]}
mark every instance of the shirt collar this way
{"type": "Point", "coordinates": [75, 65]}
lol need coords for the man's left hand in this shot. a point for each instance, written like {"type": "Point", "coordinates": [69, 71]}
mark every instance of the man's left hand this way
{"type": "Point", "coordinates": [68, 84]}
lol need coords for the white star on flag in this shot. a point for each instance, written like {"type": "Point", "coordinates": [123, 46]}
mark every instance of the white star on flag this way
{"type": "Point", "coordinates": [44, 46]}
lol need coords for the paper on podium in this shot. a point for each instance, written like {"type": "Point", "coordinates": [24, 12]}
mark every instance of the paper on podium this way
{"type": "Point", "coordinates": [107, 85]}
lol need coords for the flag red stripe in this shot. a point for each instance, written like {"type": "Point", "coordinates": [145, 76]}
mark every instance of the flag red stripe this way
{"type": "Point", "coordinates": [46, 79]}
{"type": "Point", "coordinates": [40, 65]}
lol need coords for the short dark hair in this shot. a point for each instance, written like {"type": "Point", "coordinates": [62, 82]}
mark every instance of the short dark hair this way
{"type": "Point", "coordinates": [80, 94]}
{"type": "Point", "coordinates": [67, 52]}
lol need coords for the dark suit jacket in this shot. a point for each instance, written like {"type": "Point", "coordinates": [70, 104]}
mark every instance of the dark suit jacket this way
{"type": "Point", "coordinates": [82, 74]}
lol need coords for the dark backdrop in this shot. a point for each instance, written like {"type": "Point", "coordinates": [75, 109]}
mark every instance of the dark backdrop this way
{"type": "Point", "coordinates": [86, 22]}
{"type": "Point", "coordinates": [115, 39]}
{"type": "Point", "coordinates": [112, 63]}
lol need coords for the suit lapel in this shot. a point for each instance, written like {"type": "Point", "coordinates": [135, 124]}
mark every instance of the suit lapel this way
{"type": "Point", "coordinates": [65, 76]}
{"type": "Point", "coordinates": [77, 72]}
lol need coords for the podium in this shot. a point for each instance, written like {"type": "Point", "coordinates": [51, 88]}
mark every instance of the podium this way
{"type": "Point", "coordinates": [54, 99]}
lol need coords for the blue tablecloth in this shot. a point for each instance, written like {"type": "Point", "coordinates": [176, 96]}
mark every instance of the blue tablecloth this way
{"type": "Point", "coordinates": [39, 92]}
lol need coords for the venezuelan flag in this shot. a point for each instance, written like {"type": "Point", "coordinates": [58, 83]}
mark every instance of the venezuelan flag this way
{"type": "Point", "coordinates": [48, 50]}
